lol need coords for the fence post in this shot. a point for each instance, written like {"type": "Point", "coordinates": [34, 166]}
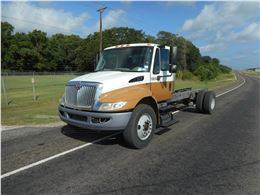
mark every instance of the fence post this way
{"type": "Point", "coordinates": [33, 87]}
{"type": "Point", "coordinates": [4, 91]}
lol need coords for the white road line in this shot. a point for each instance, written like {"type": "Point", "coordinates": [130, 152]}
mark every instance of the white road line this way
{"type": "Point", "coordinates": [53, 157]}
{"type": "Point", "coordinates": [235, 76]}
{"type": "Point", "coordinates": [232, 88]}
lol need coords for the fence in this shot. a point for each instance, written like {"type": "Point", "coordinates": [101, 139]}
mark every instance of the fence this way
{"type": "Point", "coordinates": [32, 97]}
{"type": "Point", "coordinates": [31, 84]}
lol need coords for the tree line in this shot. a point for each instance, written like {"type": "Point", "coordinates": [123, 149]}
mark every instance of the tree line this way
{"type": "Point", "coordinates": [35, 51]}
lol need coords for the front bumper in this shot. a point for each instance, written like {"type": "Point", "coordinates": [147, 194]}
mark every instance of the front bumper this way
{"type": "Point", "coordinates": [95, 120]}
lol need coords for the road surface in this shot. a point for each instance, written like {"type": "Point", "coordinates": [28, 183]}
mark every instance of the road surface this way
{"type": "Point", "coordinates": [202, 154]}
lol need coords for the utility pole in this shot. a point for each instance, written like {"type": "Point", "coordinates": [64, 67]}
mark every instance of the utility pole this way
{"type": "Point", "coordinates": [101, 10]}
{"type": "Point", "coordinates": [33, 87]}
{"type": "Point", "coordinates": [4, 91]}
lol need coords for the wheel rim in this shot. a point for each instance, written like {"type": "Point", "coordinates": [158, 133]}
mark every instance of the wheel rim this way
{"type": "Point", "coordinates": [144, 126]}
{"type": "Point", "coordinates": [212, 105]}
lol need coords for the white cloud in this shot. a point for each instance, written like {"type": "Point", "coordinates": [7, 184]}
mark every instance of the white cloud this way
{"type": "Point", "coordinates": [222, 16]}
{"type": "Point", "coordinates": [203, 22]}
{"type": "Point", "coordinates": [250, 33]}
{"type": "Point", "coordinates": [256, 52]}
{"type": "Point", "coordinates": [114, 18]}
{"type": "Point", "coordinates": [26, 17]}
{"type": "Point", "coordinates": [218, 24]}
{"type": "Point", "coordinates": [208, 48]}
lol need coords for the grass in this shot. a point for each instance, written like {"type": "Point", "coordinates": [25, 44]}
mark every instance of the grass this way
{"type": "Point", "coordinates": [221, 81]}
{"type": "Point", "coordinates": [23, 110]}
{"type": "Point", "coordinates": [252, 73]}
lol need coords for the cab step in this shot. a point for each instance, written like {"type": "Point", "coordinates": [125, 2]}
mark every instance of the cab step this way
{"type": "Point", "coordinates": [169, 123]}
{"type": "Point", "coordinates": [167, 120]}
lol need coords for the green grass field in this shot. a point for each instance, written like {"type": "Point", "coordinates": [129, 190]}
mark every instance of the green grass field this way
{"type": "Point", "coordinates": [221, 81]}
{"type": "Point", "coordinates": [252, 73]}
{"type": "Point", "coordinates": [23, 110]}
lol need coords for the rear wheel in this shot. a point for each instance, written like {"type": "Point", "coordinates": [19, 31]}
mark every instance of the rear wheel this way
{"type": "Point", "coordinates": [141, 126]}
{"type": "Point", "coordinates": [209, 102]}
{"type": "Point", "coordinates": [199, 101]}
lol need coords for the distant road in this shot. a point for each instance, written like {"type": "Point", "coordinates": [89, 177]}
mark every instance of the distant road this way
{"type": "Point", "coordinates": [202, 154]}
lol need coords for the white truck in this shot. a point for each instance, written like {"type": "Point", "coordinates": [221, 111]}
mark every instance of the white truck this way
{"type": "Point", "coordinates": [131, 90]}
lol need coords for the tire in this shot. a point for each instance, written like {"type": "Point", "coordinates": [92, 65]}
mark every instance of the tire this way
{"type": "Point", "coordinates": [71, 126]}
{"type": "Point", "coordinates": [199, 101]}
{"type": "Point", "coordinates": [209, 102]}
{"type": "Point", "coordinates": [132, 134]}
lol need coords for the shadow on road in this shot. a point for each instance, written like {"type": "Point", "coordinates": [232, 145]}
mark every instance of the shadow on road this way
{"type": "Point", "coordinates": [88, 135]}
{"type": "Point", "coordinates": [190, 109]}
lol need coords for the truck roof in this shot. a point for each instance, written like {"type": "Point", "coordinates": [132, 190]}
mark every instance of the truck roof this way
{"type": "Point", "coordinates": [132, 45]}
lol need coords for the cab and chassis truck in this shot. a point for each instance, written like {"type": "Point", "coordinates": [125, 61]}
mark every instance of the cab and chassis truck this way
{"type": "Point", "coordinates": [131, 90]}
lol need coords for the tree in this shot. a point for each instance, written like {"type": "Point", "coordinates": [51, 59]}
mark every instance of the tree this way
{"type": "Point", "coordinates": [86, 53]}
{"type": "Point", "coordinates": [39, 42]}
{"type": "Point", "coordinates": [24, 53]}
{"type": "Point", "coordinates": [150, 39]}
{"type": "Point", "coordinates": [35, 51]}
{"type": "Point", "coordinates": [193, 57]}
{"type": "Point", "coordinates": [166, 38]}
{"type": "Point", "coordinates": [6, 39]}
{"type": "Point", "coordinates": [188, 56]}
{"type": "Point", "coordinates": [206, 59]}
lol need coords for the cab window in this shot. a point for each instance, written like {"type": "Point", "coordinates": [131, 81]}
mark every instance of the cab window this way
{"type": "Point", "coordinates": [156, 66]}
{"type": "Point", "coordinates": [165, 60]}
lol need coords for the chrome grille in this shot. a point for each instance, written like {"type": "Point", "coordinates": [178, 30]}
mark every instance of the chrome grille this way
{"type": "Point", "coordinates": [80, 94]}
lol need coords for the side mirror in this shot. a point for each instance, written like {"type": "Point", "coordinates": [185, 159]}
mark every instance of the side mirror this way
{"type": "Point", "coordinates": [172, 68]}
{"type": "Point", "coordinates": [173, 55]}
{"type": "Point", "coordinates": [173, 59]}
{"type": "Point", "coordinates": [96, 61]}
{"type": "Point", "coordinates": [97, 58]}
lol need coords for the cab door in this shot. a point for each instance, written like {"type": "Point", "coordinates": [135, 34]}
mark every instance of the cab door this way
{"type": "Point", "coordinates": [161, 78]}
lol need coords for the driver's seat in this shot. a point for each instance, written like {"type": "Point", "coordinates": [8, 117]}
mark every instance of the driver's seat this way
{"type": "Point", "coordinates": [129, 63]}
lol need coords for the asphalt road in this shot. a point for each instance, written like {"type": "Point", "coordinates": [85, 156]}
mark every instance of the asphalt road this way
{"type": "Point", "coordinates": [202, 154]}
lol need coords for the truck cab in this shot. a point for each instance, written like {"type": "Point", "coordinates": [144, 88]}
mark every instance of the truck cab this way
{"type": "Point", "coordinates": [125, 92]}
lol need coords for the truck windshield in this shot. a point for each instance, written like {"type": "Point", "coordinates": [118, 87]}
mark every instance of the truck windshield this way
{"type": "Point", "coordinates": [128, 59]}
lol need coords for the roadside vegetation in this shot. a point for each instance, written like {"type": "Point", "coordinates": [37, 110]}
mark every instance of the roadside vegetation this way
{"type": "Point", "coordinates": [21, 109]}
{"type": "Point", "coordinates": [222, 80]}
{"type": "Point", "coordinates": [252, 73]}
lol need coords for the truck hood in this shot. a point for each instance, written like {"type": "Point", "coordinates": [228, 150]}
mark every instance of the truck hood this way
{"type": "Point", "coordinates": [113, 80]}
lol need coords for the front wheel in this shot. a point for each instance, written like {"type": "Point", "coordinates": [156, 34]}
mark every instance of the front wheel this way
{"type": "Point", "coordinates": [141, 126]}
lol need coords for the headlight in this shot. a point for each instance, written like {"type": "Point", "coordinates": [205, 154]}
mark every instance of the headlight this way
{"type": "Point", "coordinates": [62, 100]}
{"type": "Point", "coordinates": [111, 106]}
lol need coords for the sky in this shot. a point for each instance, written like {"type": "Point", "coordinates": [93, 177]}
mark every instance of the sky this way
{"type": "Point", "coordinates": [229, 31]}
